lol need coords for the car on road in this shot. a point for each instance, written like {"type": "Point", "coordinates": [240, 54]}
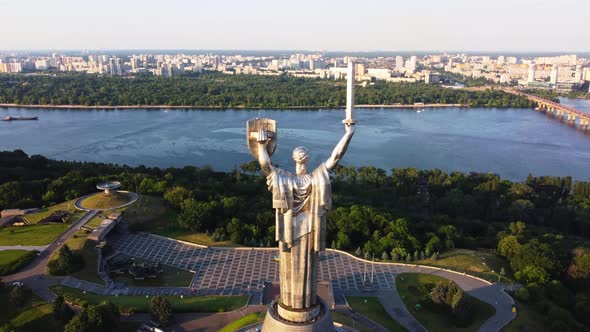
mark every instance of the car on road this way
{"type": "Point", "coordinates": [18, 284]}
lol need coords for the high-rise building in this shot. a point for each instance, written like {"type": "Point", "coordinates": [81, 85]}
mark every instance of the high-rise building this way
{"type": "Point", "coordinates": [115, 66]}
{"type": "Point", "coordinates": [359, 69]}
{"type": "Point", "coordinates": [554, 75]}
{"type": "Point", "coordinates": [531, 75]}
{"type": "Point", "coordinates": [411, 64]}
{"type": "Point", "coordinates": [501, 60]}
{"type": "Point", "coordinates": [578, 74]}
{"type": "Point", "coordinates": [399, 63]}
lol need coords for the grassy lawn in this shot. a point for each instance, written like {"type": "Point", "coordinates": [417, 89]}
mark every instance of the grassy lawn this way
{"type": "Point", "coordinates": [79, 242]}
{"type": "Point", "coordinates": [138, 303]}
{"type": "Point", "coordinates": [46, 212]}
{"type": "Point", "coordinates": [482, 264]}
{"type": "Point", "coordinates": [12, 260]}
{"type": "Point", "coordinates": [372, 308]}
{"type": "Point", "coordinates": [244, 321]}
{"type": "Point", "coordinates": [94, 222]}
{"type": "Point", "coordinates": [170, 277]}
{"type": "Point", "coordinates": [32, 235]}
{"type": "Point", "coordinates": [151, 214]}
{"type": "Point", "coordinates": [35, 315]}
{"type": "Point", "coordinates": [198, 238]}
{"type": "Point", "coordinates": [414, 289]}
{"type": "Point", "coordinates": [102, 201]}
{"type": "Point", "coordinates": [343, 319]}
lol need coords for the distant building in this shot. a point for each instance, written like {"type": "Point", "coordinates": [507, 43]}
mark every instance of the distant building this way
{"type": "Point", "coordinates": [41, 64]}
{"type": "Point", "coordinates": [553, 79]}
{"type": "Point", "coordinates": [399, 63]}
{"type": "Point", "coordinates": [531, 74]}
{"type": "Point", "coordinates": [411, 64]}
{"type": "Point", "coordinates": [431, 78]}
{"type": "Point", "coordinates": [511, 60]}
{"type": "Point", "coordinates": [379, 73]}
{"type": "Point", "coordinates": [359, 69]}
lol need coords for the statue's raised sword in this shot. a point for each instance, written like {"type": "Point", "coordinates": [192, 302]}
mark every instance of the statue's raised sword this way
{"type": "Point", "coordinates": [349, 95]}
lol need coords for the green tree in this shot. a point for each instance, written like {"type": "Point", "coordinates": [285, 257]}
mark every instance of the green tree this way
{"type": "Point", "coordinates": [508, 246]}
{"type": "Point", "coordinates": [161, 310]}
{"type": "Point", "coordinates": [80, 323]}
{"type": "Point", "coordinates": [17, 296]}
{"type": "Point", "coordinates": [61, 311]}
{"type": "Point", "coordinates": [176, 195]}
{"type": "Point", "coordinates": [385, 256]}
{"type": "Point", "coordinates": [195, 215]}
{"type": "Point", "coordinates": [358, 252]}
{"type": "Point", "coordinates": [533, 274]}
{"type": "Point", "coordinates": [234, 229]}
{"type": "Point", "coordinates": [517, 228]}
{"type": "Point", "coordinates": [67, 262]}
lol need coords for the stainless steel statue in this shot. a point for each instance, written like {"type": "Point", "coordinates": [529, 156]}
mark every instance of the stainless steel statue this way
{"type": "Point", "coordinates": [301, 202]}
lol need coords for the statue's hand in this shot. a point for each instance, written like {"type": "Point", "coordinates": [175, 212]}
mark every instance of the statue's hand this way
{"type": "Point", "coordinates": [349, 128]}
{"type": "Point", "coordinates": [262, 136]}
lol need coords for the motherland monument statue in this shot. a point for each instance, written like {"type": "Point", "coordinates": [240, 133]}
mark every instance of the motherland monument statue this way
{"type": "Point", "coordinates": [301, 202]}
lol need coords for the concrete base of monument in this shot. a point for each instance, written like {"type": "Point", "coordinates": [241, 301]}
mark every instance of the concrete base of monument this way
{"type": "Point", "coordinates": [322, 322]}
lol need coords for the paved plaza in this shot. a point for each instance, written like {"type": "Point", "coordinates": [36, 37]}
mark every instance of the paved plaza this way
{"type": "Point", "coordinates": [226, 271]}
{"type": "Point", "coordinates": [245, 271]}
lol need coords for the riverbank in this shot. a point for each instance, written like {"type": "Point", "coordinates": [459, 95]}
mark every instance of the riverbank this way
{"type": "Point", "coordinates": [227, 107]}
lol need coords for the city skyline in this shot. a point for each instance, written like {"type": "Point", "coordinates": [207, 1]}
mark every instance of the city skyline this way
{"type": "Point", "coordinates": [458, 25]}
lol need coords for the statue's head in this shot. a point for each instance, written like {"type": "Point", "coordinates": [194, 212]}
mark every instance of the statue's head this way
{"type": "Point", "coordinates": [300, 155]}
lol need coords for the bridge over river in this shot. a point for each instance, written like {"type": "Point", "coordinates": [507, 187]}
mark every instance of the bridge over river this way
{"type": "Point", "coordinates": [561, 112]}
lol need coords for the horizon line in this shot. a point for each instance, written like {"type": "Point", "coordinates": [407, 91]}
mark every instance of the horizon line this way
{"type": "Point", "coordinates": [290, 50]}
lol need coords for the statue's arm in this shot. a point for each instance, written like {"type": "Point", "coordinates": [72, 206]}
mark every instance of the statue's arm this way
{"type": "Point", "coordinates": [340, 148]}
{"type": "Point", "coordinates": [263, 157]}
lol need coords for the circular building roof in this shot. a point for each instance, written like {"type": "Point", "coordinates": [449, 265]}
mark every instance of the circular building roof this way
{"type": "Point", "coordinates": [109, 185]}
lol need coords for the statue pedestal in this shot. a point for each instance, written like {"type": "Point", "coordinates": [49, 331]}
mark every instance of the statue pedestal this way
{"type": "Point", "coordinates": [318, 319]}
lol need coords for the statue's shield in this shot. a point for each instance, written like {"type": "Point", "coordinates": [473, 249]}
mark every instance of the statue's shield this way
{"type": "Point", "coordinates": [253, 126]}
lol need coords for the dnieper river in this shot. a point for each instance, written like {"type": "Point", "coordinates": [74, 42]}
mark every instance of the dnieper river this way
{"type": "Point", "coordinates": [510, 142]}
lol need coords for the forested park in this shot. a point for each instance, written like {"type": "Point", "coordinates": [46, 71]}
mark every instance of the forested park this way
{"type": "Point", "coordinates": [539, 225]}
{"type": "Point", "coordinates": [212, 89]}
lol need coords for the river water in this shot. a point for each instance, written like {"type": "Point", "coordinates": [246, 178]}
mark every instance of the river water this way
{"type": "Point", "coordinates": [510, 142]}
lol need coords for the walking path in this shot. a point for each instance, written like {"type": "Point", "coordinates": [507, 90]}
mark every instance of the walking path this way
{"type": "Point", "coordinates": [396, 308]}
{"type": "Point", "coordinates": [28, 248]}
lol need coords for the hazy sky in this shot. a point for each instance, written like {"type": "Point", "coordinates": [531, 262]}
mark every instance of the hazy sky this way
{"type": "Point", "coordinates": [367, 25]}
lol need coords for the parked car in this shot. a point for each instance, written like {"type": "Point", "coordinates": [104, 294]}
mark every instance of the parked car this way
{"type": "Point", "coordinates": [17, 284]}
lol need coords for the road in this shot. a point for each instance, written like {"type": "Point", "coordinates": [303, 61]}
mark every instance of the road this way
{"type": "Point", "coordinates": [33, 275]}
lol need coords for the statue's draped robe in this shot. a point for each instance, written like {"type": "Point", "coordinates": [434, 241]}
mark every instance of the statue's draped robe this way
{"type": "Point", "coordinates": [301, 203]}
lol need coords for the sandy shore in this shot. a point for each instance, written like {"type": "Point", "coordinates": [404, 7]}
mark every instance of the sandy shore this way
{"type": "Point", "coordinates": [225, 107]}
